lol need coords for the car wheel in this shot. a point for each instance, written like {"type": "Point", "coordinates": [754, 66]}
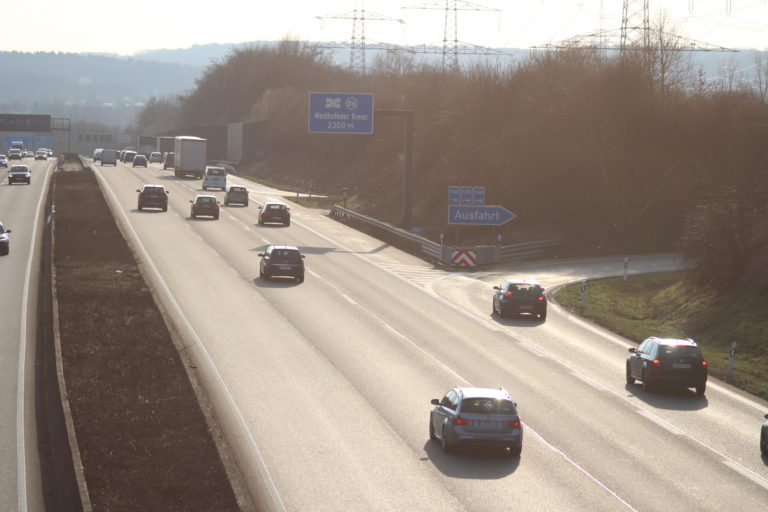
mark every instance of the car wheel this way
{"type": "Point", "coordinates": [646, 384]}
{"type": "Point", "coordinates": [493, 308]}
{"type": "Point", "coordinates": [205, 188]}
{"type": "Point", "coordinates": [300, 279]}
{"type": "Point", "coordinates": [216, 217]}
{"type": "Point", "coordinates": [543, 316]}
{"type": "Point", "coordinates": [261, 222]}
{"type": "Point", "coordinates": [267, 276]}
{"type": "Point", "coordinates": [432, 435]}
{"type": "Point", "coordinates": [245, 204]}
{"type": "Point", "coordinates": [193, 216]}
{"type": "Point", "coordinates": [226, 203]}
{"type": "Point", "coordinates": [763, 443]}
{"type": "Point", "coordinates": [630, 378]}
{"type": "Point", "coordinates": [701, 388]}
{"type": "Point", "coordinates": [288, 223]}
{"type": "Point", "coordinates": [447, 448]}
{"type": "Point", "coordinates": [515, 450]}
{"type": "Point", "coordinates": [140, 207]}
{"type": "Point", "coordinates": [165, 208]}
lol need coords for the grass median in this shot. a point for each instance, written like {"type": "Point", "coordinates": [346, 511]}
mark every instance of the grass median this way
{"type": "Point", "coordinates": [667, 305]}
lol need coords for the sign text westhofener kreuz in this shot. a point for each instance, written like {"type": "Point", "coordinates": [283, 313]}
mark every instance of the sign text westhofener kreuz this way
{"type": "Point", "coordinates": [336, 112]}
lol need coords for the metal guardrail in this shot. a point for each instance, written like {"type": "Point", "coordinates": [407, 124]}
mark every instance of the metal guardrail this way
{"type": "Point", "coordinates": [442, 254]}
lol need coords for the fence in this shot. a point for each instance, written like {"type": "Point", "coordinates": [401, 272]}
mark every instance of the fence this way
{"type": "Point", "coordinates": [453, 256]}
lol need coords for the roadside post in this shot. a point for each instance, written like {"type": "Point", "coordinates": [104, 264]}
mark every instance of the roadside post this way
{"type": "Point", "coordinates": [731, 359]}
{"type": "Point", "coordinates": [583, 293]}
{"type": "Point", "coordinates": [626, 266]}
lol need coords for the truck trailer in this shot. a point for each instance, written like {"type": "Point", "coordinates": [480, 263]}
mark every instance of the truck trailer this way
{"type": "Point", "coordinates": [165, 145]}
{"type": "Point", "coordinates": [190, 156]}
{"type": "Point", "coordinates": [146, 145]}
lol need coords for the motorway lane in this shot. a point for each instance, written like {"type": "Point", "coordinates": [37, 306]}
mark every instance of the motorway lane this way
{"type": "Point", "coordinates": [357, 335]}
{"type": "Point", "coordinates": [20, 485]}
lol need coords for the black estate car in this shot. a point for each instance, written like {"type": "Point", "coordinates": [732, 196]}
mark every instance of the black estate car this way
{"type": "Point", "coordinates": [518, 296]}
{"type": "Point", "coordinates": [275, 212]}
{"type": "Point", "coordinates": [153, 196]}
{"type": "Point", "coordinates": [282, 260]}
{"type": "Point", "coordinates": [667, 361]}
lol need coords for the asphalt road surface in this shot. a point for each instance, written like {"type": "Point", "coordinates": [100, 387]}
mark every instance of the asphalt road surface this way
{"type": "Point", "coordinates": [330, 380]}
{"type": "Point", "coordinates": [20, 210]}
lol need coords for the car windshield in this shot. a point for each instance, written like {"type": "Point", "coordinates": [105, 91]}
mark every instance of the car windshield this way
{"type": "Point", "coordinates": [678, 351]}
{"type": "Point", "coordinates": [19, 168]}
{"type": "Point", "coordinates": [487, 406]}
{"type": "Point", "coordinates": [1, 230]}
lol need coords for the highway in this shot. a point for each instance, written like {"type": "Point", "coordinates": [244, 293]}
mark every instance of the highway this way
{"type": "Point", "coordinates": [21, 206]}
{"type": "Point", "coordinates": [328, 382]}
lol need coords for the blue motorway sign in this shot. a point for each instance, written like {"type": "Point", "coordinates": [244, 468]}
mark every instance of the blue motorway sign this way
{"type": "Point", "coordinates": [466, 195]}
{"type": "Point", "coordinates": [340, 112]}
{"type": "Point", "coordinates": [479, 215]}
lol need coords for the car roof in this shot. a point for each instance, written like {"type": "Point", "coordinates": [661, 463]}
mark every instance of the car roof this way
{"type": "Point", "coordinates": [519, 280]}
{"type": "Point", "coordinates": [274, 202]}
{"type": "Point", "coordinates": [149, 185]}
{"type": "Point", "coordinates": [284, 247]}
{"type": "Point", "coordinates": [688, 342]}
{"type": "Point", "coordinates": [483, 392]}
{"type": "Point", "coordinates": [17, 167]}
{"type": "Point", "coordinates": [204, 195]}
{"type": "Point", "coordinates": [215, 167]}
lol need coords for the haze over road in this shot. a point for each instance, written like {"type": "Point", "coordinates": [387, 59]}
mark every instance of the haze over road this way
{"type": "Point", "coordinates": [331, 379]}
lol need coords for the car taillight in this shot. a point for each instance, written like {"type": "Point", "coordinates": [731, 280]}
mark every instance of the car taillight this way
{"type": "Point", "coordinates": [460, 421]}
{"type": "Point", "coordinates": [514, 424]}
{"type": "Point", "coordinates": [656, 362]}
{"type": "Point", "coordinates": [703, 363]}
{"type": "Point", "coordinates": [508, 293]}
{"type": "Point", "coordinates": [541, 297]}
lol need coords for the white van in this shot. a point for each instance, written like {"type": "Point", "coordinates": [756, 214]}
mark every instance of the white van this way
{"type": "Point", "coordinates": [108, 157]}
{"type": "Point", "coordinates": [215, 177]}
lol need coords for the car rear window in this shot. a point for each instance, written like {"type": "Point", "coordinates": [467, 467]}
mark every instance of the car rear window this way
{"type": "Point", "coordinates": [236, 189]}
{"type": "Point", "coordinates": [678, 351]}
{"type": "Point", "coordinates": [154, 191]}
{"type": "Point", "coordinates": [288, 254]}
{"type": "Point", "coordinates": [524, 288]}
{"type": "Point", "coordinates": [487, 406]}
{"type": "Point", "coordinates": [275, 207]}
{"type": "Point", "coordinates": [217, 172]}
{"type": "Point", "coordinates": [205, 200]}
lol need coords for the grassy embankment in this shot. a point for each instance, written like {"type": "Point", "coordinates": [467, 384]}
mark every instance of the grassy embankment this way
{"type": "Point", "coordinates": [665, 305]}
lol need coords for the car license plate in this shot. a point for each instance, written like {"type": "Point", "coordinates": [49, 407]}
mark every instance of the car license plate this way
{"type": "Point", "coordinates": [284, 267]}
{"type": "Point", "coordinates": [681, 365]}
{"type": "Point", "coordinates": [487, 425]}
{"type": "Point", "coordinates": [525, 307]}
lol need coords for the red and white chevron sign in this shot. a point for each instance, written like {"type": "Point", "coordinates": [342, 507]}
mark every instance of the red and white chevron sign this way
{"type": "Point", "coordinates": [464, 259]}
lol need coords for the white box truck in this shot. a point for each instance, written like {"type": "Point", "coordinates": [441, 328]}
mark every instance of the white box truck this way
{"type": "Point", "coordinates": [190, 155]}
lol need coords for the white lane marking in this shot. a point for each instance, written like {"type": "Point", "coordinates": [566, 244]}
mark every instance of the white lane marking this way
{"type": "Point", "coordinates": [533, 350]}
{"type": "Point", "coordinates": [759, 480]}
{"type": "Point", "coordinates": [21, 450]}
{"type": "Point", "coordinates": [468, 383]}
{"type": "Point", "coordinates": [179, 313]}
{"type": "Point", "coordinates": [589, 381]}
{"type": "Point", "coordinates": [660, 422]}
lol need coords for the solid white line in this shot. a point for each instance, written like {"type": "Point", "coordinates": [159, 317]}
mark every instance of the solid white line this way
{"type": "Point", "coordinates": [762, 482]}
{"type": "Point", "coordinates": [21, 451]}
{"type": "Point", "coordinates": [660, 422]}
{"type": "Point", "coordinates": [589, 381]}
{"type": "Point", "coordinates": [177, 311]}
{"type": "Point", "coordinates": [533, 350]}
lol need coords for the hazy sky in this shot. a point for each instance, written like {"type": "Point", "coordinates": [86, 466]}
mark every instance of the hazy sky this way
{"type": "Point", "coordinates": [134, 25]}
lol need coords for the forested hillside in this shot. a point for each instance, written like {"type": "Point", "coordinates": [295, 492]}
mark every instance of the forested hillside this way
{"type": "Point", "coordinates": [608, 152]}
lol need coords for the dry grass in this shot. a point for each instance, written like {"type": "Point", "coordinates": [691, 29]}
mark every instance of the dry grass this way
{"type": "Point", "coordinates": [143, 439]}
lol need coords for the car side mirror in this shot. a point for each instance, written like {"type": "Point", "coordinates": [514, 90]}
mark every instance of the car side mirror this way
{"type": "Point", "coordinates": [766, 416]}
{"type": "Point", "coordinates": [191, 201]}
{"type": "Point", "coordinates": [261, 254]}
{"type": "Point", "coordinates": [137, 190]}
{"type": "Point", "coordinates": [436, 401]}
{"type": "Point", "coordinates": [303, 256]}
{"type": "Point", "coordinates": [496, 288]}
{"type": "Point", "coordinates": [260, 207]}
{"type": "Point", "coordinates": [7, 230]}
{"type": "Point", "coordinates": [632, 350]}
{"type": "Point", "coordinates": [167, 191]}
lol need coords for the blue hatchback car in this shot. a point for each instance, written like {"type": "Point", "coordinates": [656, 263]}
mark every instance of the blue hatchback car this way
{"type": "Point", "coordinates": [476, 417]}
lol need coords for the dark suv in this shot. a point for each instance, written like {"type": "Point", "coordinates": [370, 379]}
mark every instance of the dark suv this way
{"type": "Point", "coordinates": [275, 212]}
{"type": "Point", "coordinates": [282, 260]}
{"type": "Point", "coordinates": [153, 196]}
{"type": "Point", "coordinates": [517, 296]}
{"type": "Point", "coordinates": [667, 361]}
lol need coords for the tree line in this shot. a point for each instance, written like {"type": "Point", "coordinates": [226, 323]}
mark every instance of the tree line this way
{"type": "Point", "coordinates": [607, 152]}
